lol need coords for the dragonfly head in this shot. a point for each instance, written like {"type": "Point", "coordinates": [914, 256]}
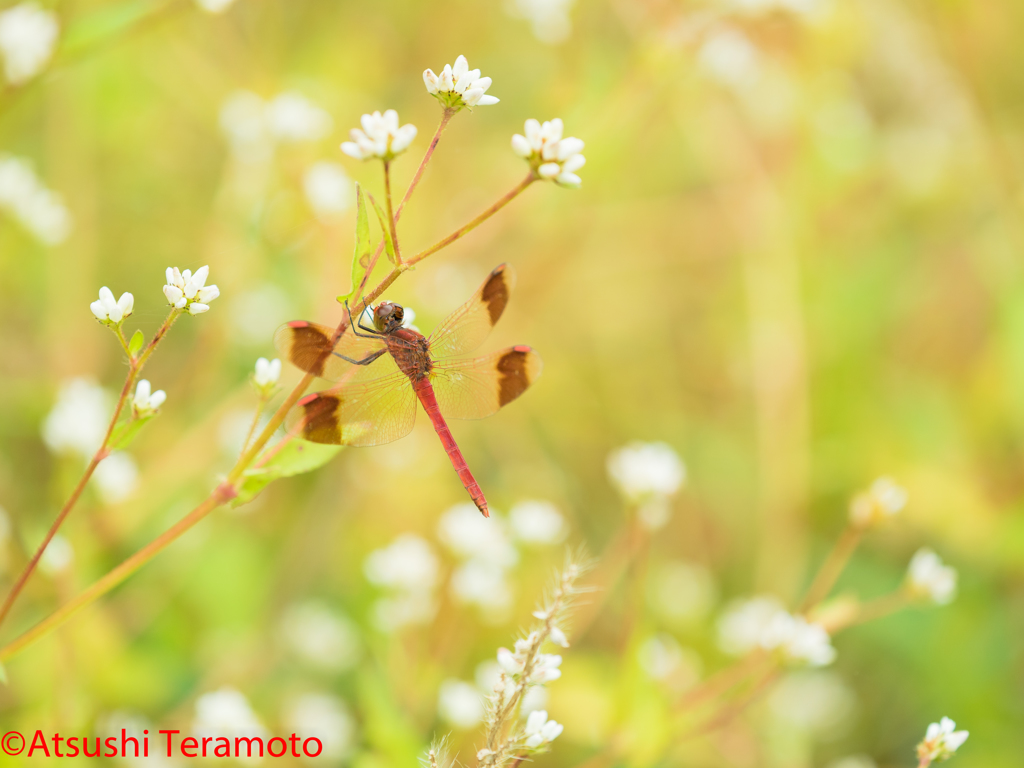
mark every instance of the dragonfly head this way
{"type": "Point", "coordinates": [388, 317]}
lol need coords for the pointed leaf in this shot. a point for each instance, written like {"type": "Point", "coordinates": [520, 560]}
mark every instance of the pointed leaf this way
{"type": "Point", "coordinates": [295, 458]}
{"type": "Point", "coordinates": [127, 431]}
{"type": "Point", "coordinates": [138, 339]}
{"type": "Point", "coordinates": [389, 244]}
{"type": "Point", "coordinates": [362, 254]}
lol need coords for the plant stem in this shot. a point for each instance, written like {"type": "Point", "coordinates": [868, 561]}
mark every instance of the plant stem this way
{"type": "Point", "coordinates": [228, 490]}
{"type": "Point", "coordinates": [467, 228]}
{"type": "Point", "coordinates": [445, 118]}
{"type": "Point", "coordinates": [723, 680]}
{"type": "Point", "coordinates": [134, 368]}
{"type": "Point", "coordinates": [832, 567]}
{"type": "Point", "coordinates": [255, 421]}
{"type": "Point", "coordinates": [878, 608]}
{"type": "Point", "coordinates": [391, 212]}
{"type": "Point", "coordinates": [731, 710]}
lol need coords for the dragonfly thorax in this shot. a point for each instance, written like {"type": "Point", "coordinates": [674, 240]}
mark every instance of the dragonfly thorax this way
{"type": "Point", "coordinates": [388, 317]}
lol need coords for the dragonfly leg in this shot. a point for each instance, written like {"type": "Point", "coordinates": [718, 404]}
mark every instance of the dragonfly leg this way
{"type": "Point", "coordinates": [366, 360]}
{"type": "Point", "coordinates": [353, 326]}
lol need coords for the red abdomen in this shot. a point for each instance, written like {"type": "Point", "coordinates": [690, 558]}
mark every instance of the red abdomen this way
{"type": "Point", "coordinates": [425, 392]}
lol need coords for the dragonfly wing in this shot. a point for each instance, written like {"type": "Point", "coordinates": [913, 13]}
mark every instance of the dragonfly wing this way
{"type": "Point", "coordinates": [478, 387]}
{"type": "Point", "coordinates": [374, 413]}
{"type": "Point", "coordinates": [466, 328]}
{"type": "Point", "coordinates": [308, 347]}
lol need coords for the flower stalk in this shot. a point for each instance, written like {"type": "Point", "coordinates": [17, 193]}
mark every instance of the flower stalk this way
{"type": "Point", "coordinates": [135, 365]}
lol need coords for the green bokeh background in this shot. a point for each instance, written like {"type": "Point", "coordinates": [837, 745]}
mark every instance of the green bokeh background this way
{"type": "Point", "coordinates": [800, 280]}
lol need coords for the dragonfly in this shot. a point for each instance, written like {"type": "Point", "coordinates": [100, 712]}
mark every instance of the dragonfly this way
{"type": "Point", "coordinates": [386, 367]}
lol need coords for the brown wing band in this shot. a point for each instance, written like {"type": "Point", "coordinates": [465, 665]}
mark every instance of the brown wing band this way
{"type": "Point", "coordinates": [515, 375]}
{"type": "Point", "coordinates": [320, 421]}
{"type": "Point", "coordinates": [310, 347]}
{"type": "Point", "coordinates": [496, 292]}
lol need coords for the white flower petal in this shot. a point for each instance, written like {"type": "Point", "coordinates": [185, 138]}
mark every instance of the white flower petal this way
{"type": "Point", "coordinates": [521, 146]}
{"type": "Point", "coordinates": [197, 309]}
{"type": "Point", "coordinates": [487, 100]}
{"type": "Point", "coordinates": [549, 170]}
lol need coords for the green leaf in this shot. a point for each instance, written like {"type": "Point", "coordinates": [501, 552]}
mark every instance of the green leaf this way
{"type": "Point", "coordinates": [127, 431]}
{"type": "Point", "coordinates": [361, 257]}
{"type": "Point", "coordinates": [295, 458]}
{"type": "Point", "coordinates": [3, 674]}
{"type": "Point", "coordinates": [138, 339]}
{"type": "Point", "coordinates": [389, 244]}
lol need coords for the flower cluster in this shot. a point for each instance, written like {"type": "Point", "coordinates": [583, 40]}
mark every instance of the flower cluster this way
{"type": "Point", "coordinates": [882, 500]}
{"type": "Point", "coordinates": [253, 125]}
{"type": "Point", "coordinates": [929, 579]}
{"type": "Point", "coordinates": [534, 668]}
{"type": "Point", "coordinates": [763, 623]}
{"type": "Point", "coordinates": [522, 669]}
{"type": "Point", "coordinates": [550, 155]}
{"type": "Point", "coordinates": [380, 137]}
{"type": "Point", "coordinates": [188, 291]}
{"type": "Point", "coordinates": [27, 37]}
{"type": "Point", "coordinates": [940, 742]}
{"type": "Point", "coordinates": [40, 210]}
{"type": "Point", "coordinates": [458, 86]}
{"type": "Point", "coordinates": [146, 402]}
{"type": "Point", "coordinates": [647, 475]}
{"type": "Point", "coordinates": [111, 312]}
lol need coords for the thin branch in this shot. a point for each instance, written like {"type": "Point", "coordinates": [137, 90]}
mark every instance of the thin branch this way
{"type": "Point", "coordinates": [134, 368]}
{"type": "Point", "coordinates": [445, 118]}
{"type": "Point", "coordinates": [391, 212]}
{"type": "Point", "coordinates": [832, 568]}
{"type": "Point", "coordinates": [467, 228]}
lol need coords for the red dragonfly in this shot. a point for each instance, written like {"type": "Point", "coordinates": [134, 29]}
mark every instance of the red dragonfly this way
{"type": "Point", "coordinates": [386, 367]}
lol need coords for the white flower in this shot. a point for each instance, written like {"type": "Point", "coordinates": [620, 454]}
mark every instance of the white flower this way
{"type": "Point", "coordinates": [379, 137]}
{"type": "Point", "coordinates": [539, 730]}
{"type": "Point", "coordinates": [941, 741]}
{"type": "Point", "coordinates": [328, 190]}
{"type": "Point", "coordinates": [799, 641]}
{"type": "Point", "coordinates": [214, 6]}
{"type": "Point", "coordinates": [744, 622]}
{"type": "Point", "coordinates": [460, 704]}
{"type": "Point", "coordinates": [407, 563]}
{"type": "Point", "coordinates": [546, 668]}
{"type": "Point", "coordinates": [27, 37]}
{"type": "Point", "coordinates": [145, 402]}
{"type": "Point", "coordinates": [537, 522]}
{"type": "Point", "coordinates": [459, 86]}
{"type": "Point", "coordinates": [549, 19]}
{"type": "Point", "coordinates": [243, 121]}
{"type": "Point", "coordinates": [469, 535]}
{"type": "Point", "coordinates": [409, 568]}
{"type": "Point", "coordinates": [116, 477]}
{"type": "Point", "coordinates": [660, 656]}
{"type": "Point", "coordinates": [225, 712]}
{"type": "Point", "coordinates": [642, 471]}
{"type": "Point", "coordinates": [24, 197]}
{"type": "Point", "coordinates": [190, 292]}
{"type": "Point", "coordinates": [109, 311]}
{"type": "Point", "coordinates": [320, 636]}
{"type": "Point", "coordinates": [267, 373]}
{"type": "Point", "coordinates": [291, 117]}
{"type": "Point", "coordinates": [558, 637]}
{"type": "Point", "coordinates": [730, 58]}
{"type": "Point", "coordinates": [550, 156]}
{"type": "Point", "coordinates": [478, 582]}
{"type": "Point", "coordinates": [927, 577]}
{"type": "Point", "coordinates": [79, 418]}
{"type": "Point", "coordinates": [57, 557]}
{"type": "Point", "coordinates": [882, 500]}
{"type": "Point", "coordinates": [325, 717]}
{"type": "Point", "coordinates": [816, 701]}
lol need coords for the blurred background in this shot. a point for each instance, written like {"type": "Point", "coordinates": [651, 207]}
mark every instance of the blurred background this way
{"type": "Point", "coordinates": [794, 262]}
